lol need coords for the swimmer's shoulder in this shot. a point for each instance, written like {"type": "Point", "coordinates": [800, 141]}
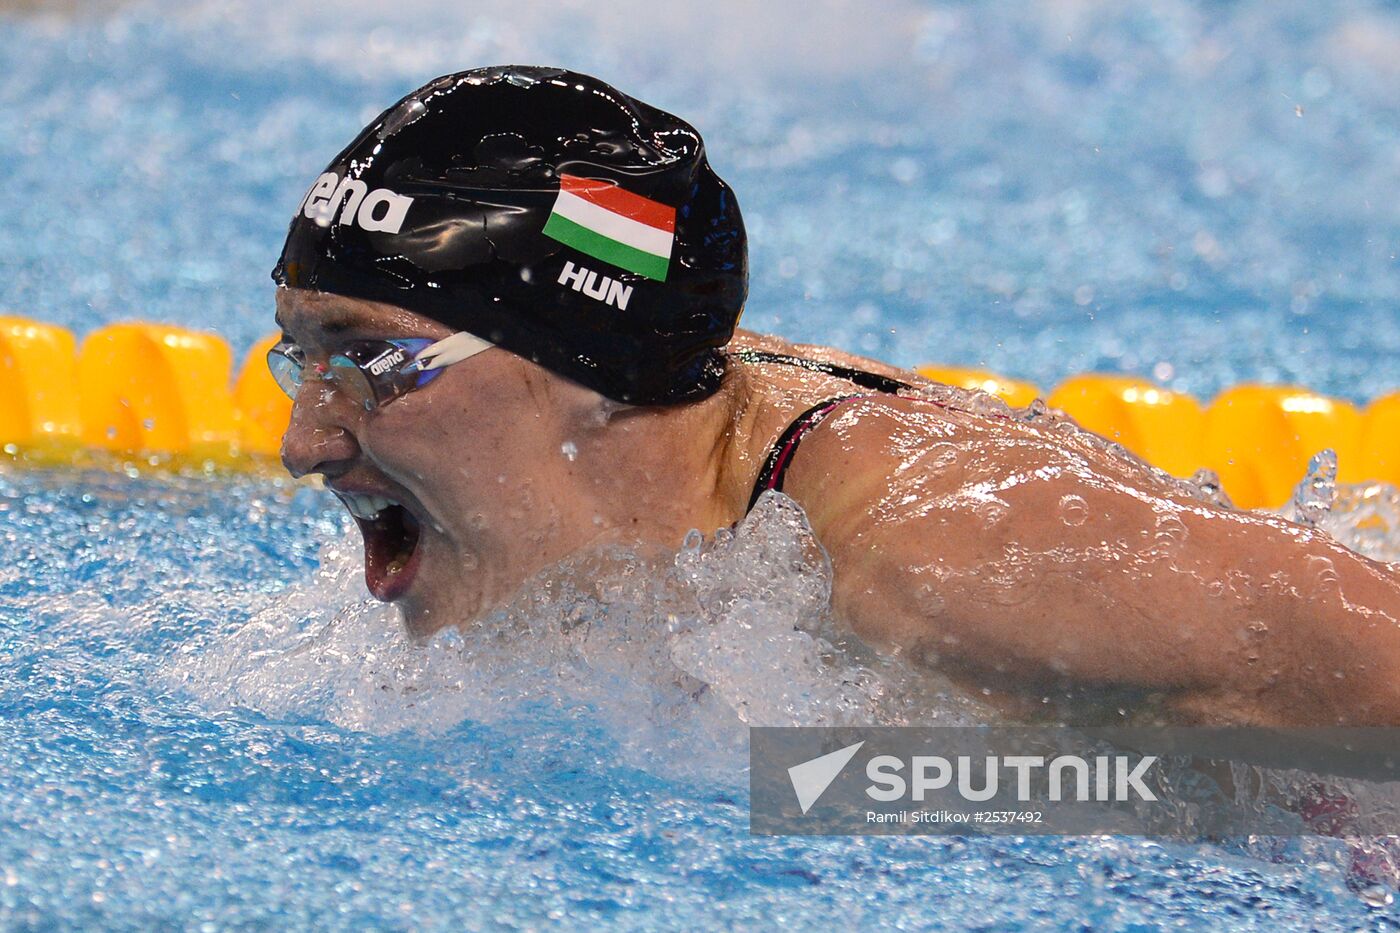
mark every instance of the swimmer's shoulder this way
{"type": "Point", "coordinates": [852, 447]}
{"type": "Point", "coordinates": [848, 468]}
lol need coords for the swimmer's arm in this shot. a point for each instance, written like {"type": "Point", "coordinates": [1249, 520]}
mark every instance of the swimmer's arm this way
{"type": "Point", "coordinates": [1014, 555]}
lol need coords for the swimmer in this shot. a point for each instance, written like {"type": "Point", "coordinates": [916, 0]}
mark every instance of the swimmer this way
{"type": "Point", "coordinates": [509, 311]}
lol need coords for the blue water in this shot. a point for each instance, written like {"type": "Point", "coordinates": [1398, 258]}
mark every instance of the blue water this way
{"type": "Point", "coordinates": [202, 722]}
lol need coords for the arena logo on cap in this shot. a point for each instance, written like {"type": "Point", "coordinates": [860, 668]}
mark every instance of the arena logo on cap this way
{"type": "Point", "coordinates": [379, 211]}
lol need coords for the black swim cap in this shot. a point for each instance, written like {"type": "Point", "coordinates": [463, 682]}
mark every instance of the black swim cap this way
{"type": "Point", "coordinates": [546, 212]}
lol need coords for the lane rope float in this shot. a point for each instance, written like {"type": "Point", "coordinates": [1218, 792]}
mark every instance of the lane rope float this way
{"type": "Point", "coordinates": [144, 391]}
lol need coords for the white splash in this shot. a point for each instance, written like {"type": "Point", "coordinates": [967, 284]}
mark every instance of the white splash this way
{"type": "Point", "coordinates": [678, 650]}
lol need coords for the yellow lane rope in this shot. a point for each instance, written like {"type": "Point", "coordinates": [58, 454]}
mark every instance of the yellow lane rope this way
{"type": "Point", "coordinates": [144, 391]}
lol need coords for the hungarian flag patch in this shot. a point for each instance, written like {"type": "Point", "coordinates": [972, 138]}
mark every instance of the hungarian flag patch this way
{"type": "Point", "coordinates": [603, 221]}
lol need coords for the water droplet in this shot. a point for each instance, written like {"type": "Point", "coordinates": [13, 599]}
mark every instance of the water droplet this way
{"type": "Point", "coordinates": [986, 404]}
{"type": "Point", "coordinates": [1205, 485]}
{"type": "Point", "coordinates": [1377, 896]}
{"type": "Point", "coordinates": [1074, 511]}
{"type": "Point", "coordinates": [1316, 83]}
{"type": "Point", "coordinates": [408, 112]}
{"type": "Point", "coordinates": [1312, 499]}
{"type": "Point", "coordinates": [1035, 411]}
{"type": "Point", "coordinates": [938, 459]}
{"type": "Point", "coordinates": [904, 170]}
{"type": "Point", "coordinates": [1171, 530]}
{"type": "Point", "coordinates": [992, 512]}
{"type": "Point", "coordinates": [570, 451]}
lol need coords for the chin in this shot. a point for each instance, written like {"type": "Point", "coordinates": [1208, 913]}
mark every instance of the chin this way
{"type": "Point", "coordinates": [420, 618]}
{"type": "Point", "coordinates": [436, 602]}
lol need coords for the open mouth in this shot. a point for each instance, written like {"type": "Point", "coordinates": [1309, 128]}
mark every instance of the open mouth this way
{"type": "Point", "coordinates": [391, 535]}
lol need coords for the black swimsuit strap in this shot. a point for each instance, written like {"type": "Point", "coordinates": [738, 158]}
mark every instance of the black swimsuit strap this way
{"type": "Point", "coordinates": [866, 380]}
{"type": "Point", "coordinates": [780, 455]}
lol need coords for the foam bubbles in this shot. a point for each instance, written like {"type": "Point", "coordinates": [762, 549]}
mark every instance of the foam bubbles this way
{"type": "Point", "coordinates": [673, 651]}
{"type": "Point", "coordinates": [1366, 518]}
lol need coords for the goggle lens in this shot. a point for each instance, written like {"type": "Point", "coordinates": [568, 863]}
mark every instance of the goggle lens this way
{"type": "Point", "coordinates": [351, 379]}
{"type": "Point", "coordinates": [371, 373]}
{"type": "Point", "coordinates": [286, 367]}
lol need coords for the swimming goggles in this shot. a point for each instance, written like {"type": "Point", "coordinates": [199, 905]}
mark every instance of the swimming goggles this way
{"type": "Point", "coordinates": [374, 372]}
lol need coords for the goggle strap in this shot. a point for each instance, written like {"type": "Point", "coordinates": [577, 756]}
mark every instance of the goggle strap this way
{"type": "Point", "coordinates": [449, 350]}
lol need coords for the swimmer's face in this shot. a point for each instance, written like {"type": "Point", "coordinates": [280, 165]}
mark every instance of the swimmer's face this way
{"type": "Point", "coordinates": [453, 486]}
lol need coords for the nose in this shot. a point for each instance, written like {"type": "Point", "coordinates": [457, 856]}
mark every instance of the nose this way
{"type": "Point", "coordinates": [317, 439]}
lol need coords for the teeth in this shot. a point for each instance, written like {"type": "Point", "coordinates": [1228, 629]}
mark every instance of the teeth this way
{"type": "Point", "coordinates": [366, 507]}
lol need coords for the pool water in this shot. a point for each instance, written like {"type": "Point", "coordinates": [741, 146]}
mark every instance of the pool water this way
{"type": "Point", "coordinates": [204, 718]}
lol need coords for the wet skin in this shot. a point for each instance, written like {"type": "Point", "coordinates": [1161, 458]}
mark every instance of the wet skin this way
{"type": "Point", "coordinates": [1023, 561]}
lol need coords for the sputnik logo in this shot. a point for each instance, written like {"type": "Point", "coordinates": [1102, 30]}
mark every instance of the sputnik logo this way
{"type": "Point", "coordinates": [811, 778]}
